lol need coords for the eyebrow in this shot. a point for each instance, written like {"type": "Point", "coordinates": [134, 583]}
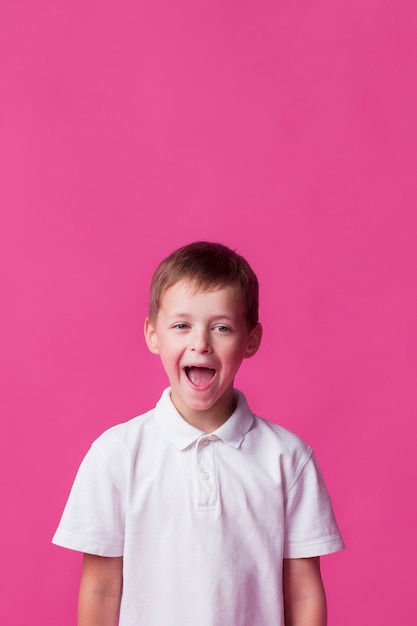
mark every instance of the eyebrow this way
{"type": "Point", "coordinates": [220, 316]}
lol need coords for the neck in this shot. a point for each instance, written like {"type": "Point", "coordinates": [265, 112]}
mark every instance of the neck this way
{"type": "Point", "coordinates": [208, 420]}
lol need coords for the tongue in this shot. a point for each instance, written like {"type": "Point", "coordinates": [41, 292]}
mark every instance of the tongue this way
{"type": "Point", "coordinates": [200, 376]}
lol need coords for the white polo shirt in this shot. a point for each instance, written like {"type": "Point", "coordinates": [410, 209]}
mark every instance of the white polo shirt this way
{"type": "Point", "coordinates": [202, 521]}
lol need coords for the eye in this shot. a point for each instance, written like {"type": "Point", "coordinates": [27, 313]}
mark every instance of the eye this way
{"type": "Point", "coordinates": [220, 328]}
{"type": "Point", "coordinates": [180, 326]}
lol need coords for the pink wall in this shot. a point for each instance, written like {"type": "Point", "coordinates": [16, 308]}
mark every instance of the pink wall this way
{"type": "Point", "coordinates": [284, 129]}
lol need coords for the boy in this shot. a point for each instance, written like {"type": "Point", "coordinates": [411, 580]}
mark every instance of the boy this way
{"type": "Point", "coordinates": [200, 513]}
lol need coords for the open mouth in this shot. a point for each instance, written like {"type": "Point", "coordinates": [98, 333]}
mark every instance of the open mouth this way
{"type": "Point", "coordinates": [199, 376]}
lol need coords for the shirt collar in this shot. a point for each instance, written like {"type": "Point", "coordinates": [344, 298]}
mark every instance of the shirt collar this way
{"type": "Point", "coordinates": [182, 434]}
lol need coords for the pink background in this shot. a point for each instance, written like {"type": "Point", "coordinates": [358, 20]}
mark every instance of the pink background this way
{"type": "Point", "coordinates": [286, 130]}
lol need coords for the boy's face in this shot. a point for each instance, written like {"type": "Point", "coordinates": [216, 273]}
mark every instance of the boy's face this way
{"type": "Point", "coordinates": [202, 338]}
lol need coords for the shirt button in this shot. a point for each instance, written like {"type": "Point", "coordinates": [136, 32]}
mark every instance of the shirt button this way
{"type": "Point", "coordinates": [205, 475]}
{"type": "Point", "coordinates": [205, 442]}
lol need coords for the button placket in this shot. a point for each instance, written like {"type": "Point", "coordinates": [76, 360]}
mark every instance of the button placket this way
{"type": "Point", "coordinates": [206, 474]}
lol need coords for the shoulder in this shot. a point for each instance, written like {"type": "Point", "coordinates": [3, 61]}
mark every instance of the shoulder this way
{"type": "Point", "coordinates": [125, 438]}
{"type": "Point", "coordinates": [260, 429]}
{"type": "Point", "coordinates": [266, 439]}
{"type": "Point", "coordinates": [112, 455]}
{"type": "Point", "coordinates": [280, 447]}
{"type": "Point", "coordinates": [279, 436]}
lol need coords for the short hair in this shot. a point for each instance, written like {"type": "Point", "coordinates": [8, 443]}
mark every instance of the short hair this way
{"type": "Point", "coordinates": [207, 266]}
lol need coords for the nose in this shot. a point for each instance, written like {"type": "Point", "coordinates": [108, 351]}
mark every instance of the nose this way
{"type": "Point", "coordinates": [200, 342]}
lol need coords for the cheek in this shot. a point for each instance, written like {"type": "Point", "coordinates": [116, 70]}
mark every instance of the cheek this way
{"type": "Point", "coordinates": [235, 357]}
{"type": "Point", "coordinates": [168, 356]}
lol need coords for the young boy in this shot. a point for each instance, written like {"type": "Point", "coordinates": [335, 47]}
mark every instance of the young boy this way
{"type": "Point", "coordinates": [200, 513]}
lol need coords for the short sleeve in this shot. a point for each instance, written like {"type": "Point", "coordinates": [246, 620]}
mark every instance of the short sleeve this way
{"type": "Point", "coordinates": [93, 518]}
{"type": "Point", "coordinates": [309, 519]}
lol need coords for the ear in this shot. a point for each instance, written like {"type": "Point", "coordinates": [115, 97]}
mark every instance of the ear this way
{"type": "Point", "coordinates": [150, 336]}
{"type": "Point", "coordinates": [254, 341]}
